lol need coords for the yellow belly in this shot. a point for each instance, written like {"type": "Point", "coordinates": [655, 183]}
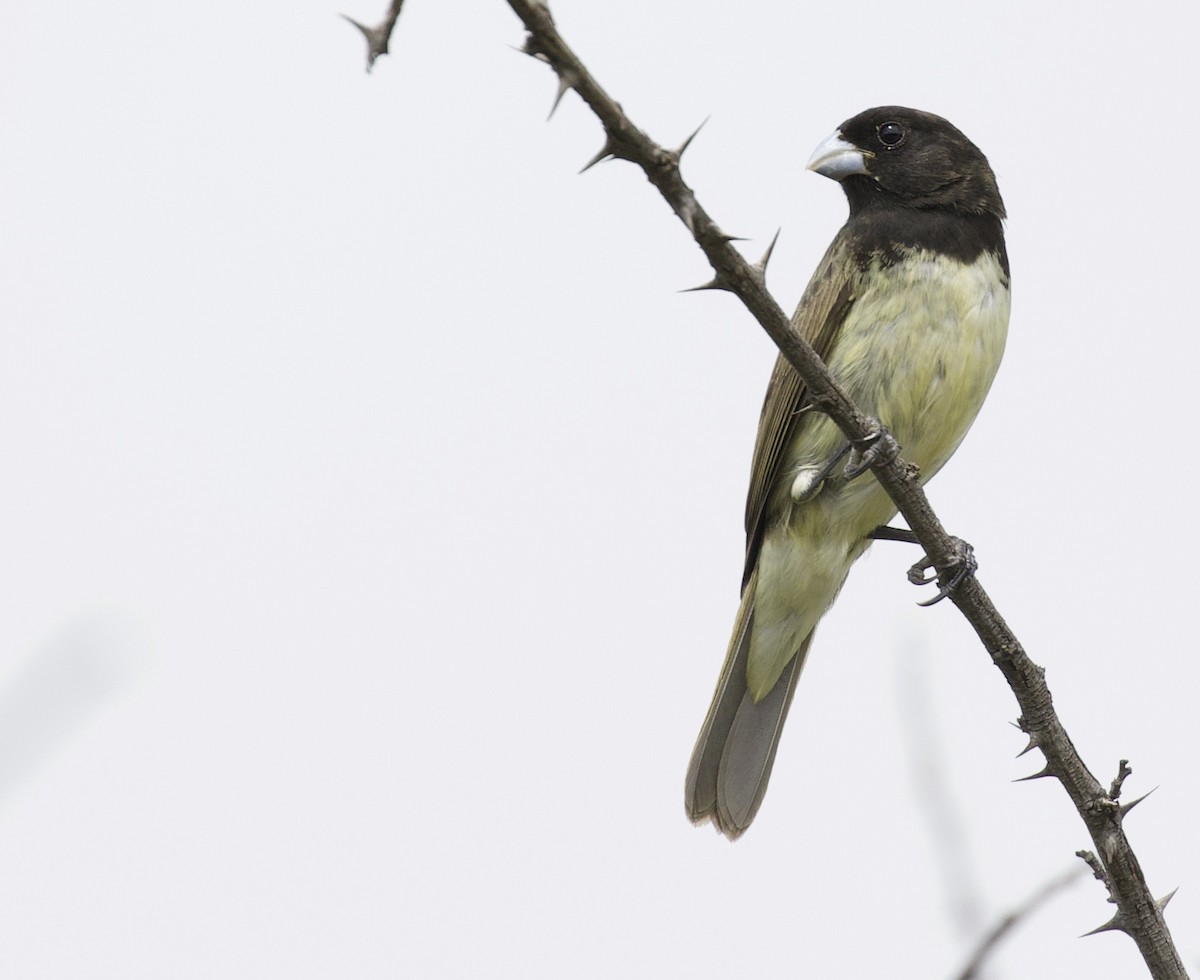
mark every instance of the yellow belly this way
{"type": "Point", "coordinates": [919, 350]}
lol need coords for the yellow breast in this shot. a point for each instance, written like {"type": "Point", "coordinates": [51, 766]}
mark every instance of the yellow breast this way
{"type": "Point", "coordinates": [920, 347]}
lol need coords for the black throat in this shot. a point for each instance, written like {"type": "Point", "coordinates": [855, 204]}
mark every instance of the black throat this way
{"type": "Point", "coordinates": [883, 227]}
{"type": "Point", "coordinates": [888, 234]}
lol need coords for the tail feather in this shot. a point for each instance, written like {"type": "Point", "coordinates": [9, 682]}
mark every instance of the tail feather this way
{"type": "Point", "coordinates": [750, 749]}
{"type": "Point", "coordinates": [700, 790]}
{"type": "Point", "coordinates": [734, 753]}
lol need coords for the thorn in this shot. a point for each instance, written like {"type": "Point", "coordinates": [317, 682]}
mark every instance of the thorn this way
{"type": "Point", "coordinates": [761, 265]}
{"type": "Point", "coordinates": [689, 212]}
{"type": "Point", "coordinates": [377, 40]}
{"type": "Point", "coordinates": [1126, 807]}
{"type": "Point", "coordinates": [716, 282]}
{"type": "Point", "coordinates": [606, 151]}
{"type": "Point", "coordinates": [821, 403]}
{"type": "Point", "coordinates": [1162, 902]}
{"type": "Point", "coordinates": [530, 48]}
{"type": "Point", "coordinates": [682, 148]}
{"type": "Point", "coordinates": [1037, 775]}
{"type": "Point", "coordinates": [1033, 744]}
{"type": "Point", "coordinates": [566, 81]}
{"type": "Point", "coordinates": [1117, 922]}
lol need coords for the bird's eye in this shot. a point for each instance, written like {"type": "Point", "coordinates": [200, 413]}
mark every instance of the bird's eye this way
{"type": "Point", "coordinates": [890, 133]}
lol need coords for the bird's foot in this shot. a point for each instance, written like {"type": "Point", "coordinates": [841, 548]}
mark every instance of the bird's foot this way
{"type": "Point", "coordinates": [962, 566]}
{"type": "Point", "coordinates": [879, 446]}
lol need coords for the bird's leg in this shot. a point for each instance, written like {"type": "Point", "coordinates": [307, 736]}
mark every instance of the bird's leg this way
{"type": "Point", "coordinates": [962, 564]}
{"type": "Point", "coordinates": [880, 445]}
{"type": "Point", "coordinates": [877, 447]}
{"type": "Point", "coordinates": [885, 533]}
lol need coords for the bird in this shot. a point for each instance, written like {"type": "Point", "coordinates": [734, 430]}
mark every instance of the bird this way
{"type": "Point", "coordinates": [909, 310]}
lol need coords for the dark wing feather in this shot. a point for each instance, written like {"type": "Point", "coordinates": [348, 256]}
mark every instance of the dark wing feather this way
{"type": "Point", "coordinates": [736, 747]}
{"type": "Point", "coordinates": [822, 309]}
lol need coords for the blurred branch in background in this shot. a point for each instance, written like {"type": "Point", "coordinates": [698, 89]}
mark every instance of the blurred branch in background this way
{"type": "Point", "coordinates": [932, 788]}
{"type": "Point", "coordinates": [1024, 911]}
{"type": "Point", "coordinates": [1139, 915]}
{"type": "Point", "coordinates": [47, 700]}
{"type": "Point", "coordinates": [932, 785]}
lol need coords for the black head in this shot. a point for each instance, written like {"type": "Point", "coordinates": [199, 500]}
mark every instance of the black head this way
{"type": "Point", "coordinates": [897, 156]}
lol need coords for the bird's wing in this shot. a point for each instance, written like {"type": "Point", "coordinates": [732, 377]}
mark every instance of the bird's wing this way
{"type": "Point", "coordinates": [819, 316]}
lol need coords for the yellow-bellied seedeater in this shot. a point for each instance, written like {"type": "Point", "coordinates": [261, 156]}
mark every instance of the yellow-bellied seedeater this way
{"type": "Point", "coordinates": [909, 309]}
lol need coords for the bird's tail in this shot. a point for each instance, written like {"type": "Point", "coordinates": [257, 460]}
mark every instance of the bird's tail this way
{"type": "Point", "coordinates": [732, 760]}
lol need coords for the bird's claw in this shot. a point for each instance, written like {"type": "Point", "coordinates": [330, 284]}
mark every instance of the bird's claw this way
{"type": "Point", "coordinates": [962, 566]}
{"type": "Point", "coordinates": [879, 446]}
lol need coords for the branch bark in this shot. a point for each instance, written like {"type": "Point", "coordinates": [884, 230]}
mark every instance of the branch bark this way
{"type": "Point", "coordinates": [1138, 913]}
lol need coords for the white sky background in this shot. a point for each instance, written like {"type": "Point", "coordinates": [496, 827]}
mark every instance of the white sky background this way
{"type": "Point", "coordinates": [371, 499]}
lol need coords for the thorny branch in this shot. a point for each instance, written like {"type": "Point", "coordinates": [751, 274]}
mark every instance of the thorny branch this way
{"type": "Point", "coordinates": [1138, 913]}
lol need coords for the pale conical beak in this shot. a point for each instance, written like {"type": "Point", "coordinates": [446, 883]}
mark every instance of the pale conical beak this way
{"type": "Point", "coordinates": [837, 159]}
